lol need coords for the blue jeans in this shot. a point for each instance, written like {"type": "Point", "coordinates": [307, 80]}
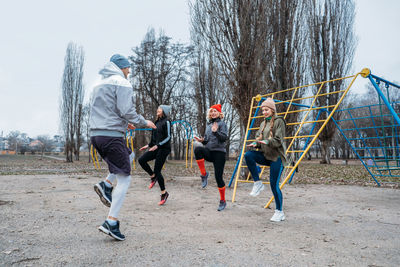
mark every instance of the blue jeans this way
{"type": "Point", "coordinates": [254, 157]}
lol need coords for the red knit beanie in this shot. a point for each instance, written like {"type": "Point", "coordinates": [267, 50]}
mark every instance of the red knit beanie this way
{"type": "Point", "coordinates": [217, 107]}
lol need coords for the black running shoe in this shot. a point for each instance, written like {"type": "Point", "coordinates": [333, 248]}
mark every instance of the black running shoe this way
{"type": "Point", "coordinates": [204, 180]}
{"type": "Point", "coordinates": [104, 193]}
{"type": "Point", "coordinates": [222, 205]}
{"type": "Point", "coordinates": [112, 231]}
{"type": "Point", "coordinates": [164, 198]}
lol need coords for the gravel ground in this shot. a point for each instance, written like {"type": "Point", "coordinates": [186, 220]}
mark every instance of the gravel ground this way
{"type": "Point", "coordinates": [52, 220]}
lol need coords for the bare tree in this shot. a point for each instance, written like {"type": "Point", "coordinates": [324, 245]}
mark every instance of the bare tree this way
{"type": "Point", "coordinates": [236, 31]}
{"type": "Point", "coordinates": [86, 125]}
{"type": "Point", "coordinates": [160, 71]}
{"type": "Point", "coordinates": [72, 93]}
{"type": "Point", "coordinates": [259, 46]}
{"type": "Point", "coordinates": [287, 42]}
{"type": "Point", "coordinates": [159, 67]}
{"type": "Point", "coordinates": [14, 140]}
{"type": "Point", "coordinates": [332, 44]}
{"type": "Point", "coordinates": [46, 143]}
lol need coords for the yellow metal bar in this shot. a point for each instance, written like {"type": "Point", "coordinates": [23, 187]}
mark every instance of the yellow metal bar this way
{"type": "Point", "coordinates": [297, 123]}
{"type": "Point", "coordinates": [250, 182]}
{"type": "Point", "coordinates": [248, 176]}
{"type": "Point", "coordinates": [91, 154]}
{"type": "Point", "coordinates": [256, 117]}
{"type": "Point", "coordinates": [132, 148]}
{"type": "Point", "coordinates": [305, 117]}
{"type": "Point", "coordinates": [306, 109]}
{"type": "Point", "coordinates": [307, 85]}
{"type": "Point", "coordinates": [242, 153]}
{"type": "Point", "coordinates": [97, 159]}
{"type": "Point", "coordinates": [315, 137]}
{"type": "Point", "coordinates": [187, 148]}
{"type": "Point", "coordinates": [191, 155]}
{"type": "Point", "coordinates": [300, 136]}
{"type": "Point", "coordinates": [290, 104]}
{"type": "Point", "coordinates": [309, 97]}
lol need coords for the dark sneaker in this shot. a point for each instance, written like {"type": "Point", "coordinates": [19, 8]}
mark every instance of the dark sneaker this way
{"type": "Point", "coordinates": [164, 198]}
{"type": "Point", "coordinates": [153, 182]}
{"type": "Point", "coordinates": [204, 180]}
{"type": "Point", "coordinates": [112, 230]}
{"type": "Point", "coordinates": [222, 205]}
{"type": "Point", "coordinates": [104, 193]}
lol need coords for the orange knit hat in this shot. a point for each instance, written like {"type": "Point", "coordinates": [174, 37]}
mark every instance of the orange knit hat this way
{"type": "Point", "coordinates": [217, 107]}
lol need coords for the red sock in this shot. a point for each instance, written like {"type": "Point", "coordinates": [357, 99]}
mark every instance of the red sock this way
{"type": "Point", "coordinates": [202, 167]}
{"type": "Point", "coordinates": [222, 192]}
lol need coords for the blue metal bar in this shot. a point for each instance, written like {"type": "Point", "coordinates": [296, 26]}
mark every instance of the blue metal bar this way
{"type": "Point", "coordinates": [360, 107]}
{"type": "Point", "coordinates": [384, 99]}
{"type": "Point", "coordinates": [187, 126]}
{"type": "Point", "coordinates": [376, 137]}
{"type": "Point", "coordinates": [308, 140]}
{"type": "Point", "coordinates": [383, 166]}
{"type": "Point", "coordinates": [360, 118]}
{"type": "Point", "coordinates": [359, 133]}
{"type": "Point", "coordinates": [385, 81]}
{"type": "Point", "coordinates": [377, 147]}
{"type": "Point", "coordinates": [355, 152]}
{"type": "Point", "coordinates": [376, 130]}
{"type": "Point", "coordinates": [365, 128]}
{"type": "Point", "coordinates": [247, 137]}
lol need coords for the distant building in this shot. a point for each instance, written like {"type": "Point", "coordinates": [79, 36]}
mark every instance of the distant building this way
{"type": "Point", "coordinates": [3, 144]}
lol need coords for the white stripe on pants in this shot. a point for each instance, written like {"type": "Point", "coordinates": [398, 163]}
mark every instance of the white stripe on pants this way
{"type": "Point", "coordinates": [118, 194]}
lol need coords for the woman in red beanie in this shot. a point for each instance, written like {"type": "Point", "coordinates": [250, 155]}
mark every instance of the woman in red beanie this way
{"type": "Point", "coordinates": [214, 151]}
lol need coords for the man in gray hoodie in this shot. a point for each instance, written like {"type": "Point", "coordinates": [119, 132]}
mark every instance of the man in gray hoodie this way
{"type": "Point", "coordinates": [112, 108]}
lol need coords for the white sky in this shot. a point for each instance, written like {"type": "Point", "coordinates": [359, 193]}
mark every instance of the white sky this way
{"type": "Point", "coordinates": [34, 36]}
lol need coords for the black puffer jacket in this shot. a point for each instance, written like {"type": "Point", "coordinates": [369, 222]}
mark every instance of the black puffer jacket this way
{"type": "Point", "coordinates": [216, 141]}
{"type": "Point", "coordinates": [161, 136]}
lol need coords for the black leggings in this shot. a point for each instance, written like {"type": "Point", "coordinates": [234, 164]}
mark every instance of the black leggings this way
{"type": "Point", "coordinates": [160, 155]}
{"type": "Point", "coordinates": [217, 158]}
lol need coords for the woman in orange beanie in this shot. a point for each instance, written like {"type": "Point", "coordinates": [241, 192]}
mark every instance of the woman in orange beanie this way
{"type": "Point", "coordinates": [214, 151]}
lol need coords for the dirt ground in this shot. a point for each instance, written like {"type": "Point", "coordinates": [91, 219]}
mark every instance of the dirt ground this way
{"type": "Point", "coordinates": [52, 220]}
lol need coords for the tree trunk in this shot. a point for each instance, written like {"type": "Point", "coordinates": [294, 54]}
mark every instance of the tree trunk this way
{"type": "Point", "coordinates": [325, 153]}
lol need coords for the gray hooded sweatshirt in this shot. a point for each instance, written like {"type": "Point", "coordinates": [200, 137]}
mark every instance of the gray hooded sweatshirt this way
{"type": "Point", "coordinates": [113, 105]}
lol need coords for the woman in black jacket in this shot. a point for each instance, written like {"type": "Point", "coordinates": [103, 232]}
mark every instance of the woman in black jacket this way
{"type": "Point", "coordinates": [159, 149]}
{"type": "Point", "coordinates": [214, 150]}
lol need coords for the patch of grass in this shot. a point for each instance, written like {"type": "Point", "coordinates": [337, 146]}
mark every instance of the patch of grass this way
{"type": "Point", "coordinates": [309, 172]}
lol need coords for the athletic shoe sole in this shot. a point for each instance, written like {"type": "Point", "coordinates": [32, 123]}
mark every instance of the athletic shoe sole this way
{"type": "Point", "coordinates": [281, 220]}
{"type": "Point", "coordinates": [101, 194]}
{"type": "Point", "coordinates": [162, 202]}
{"type": "Point", "coordinates": [204, 180]}
{"type": "Point", "coordinates": [108, 232]}
{"type": "Point", "coordinates": [257, 192]}
{"type": "Point", "coordinates": [151, 185]}
{"type": "Point", "coordinates": [221, 208]}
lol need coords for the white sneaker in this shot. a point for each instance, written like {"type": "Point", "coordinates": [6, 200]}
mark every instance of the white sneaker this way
{"type": "Point", "coordinates": [257, 188]}
{"type": "Point", "coordinates": [278, 216]}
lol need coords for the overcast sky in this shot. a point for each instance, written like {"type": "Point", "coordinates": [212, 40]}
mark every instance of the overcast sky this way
{"type": "Point", "coordinates": [34, 36]}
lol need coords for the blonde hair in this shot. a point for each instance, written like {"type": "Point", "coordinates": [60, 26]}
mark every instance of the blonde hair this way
{"type": "Point", "coordinates": [221, 115]}
{"type": "Point", "coordinates": [270, 128]}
